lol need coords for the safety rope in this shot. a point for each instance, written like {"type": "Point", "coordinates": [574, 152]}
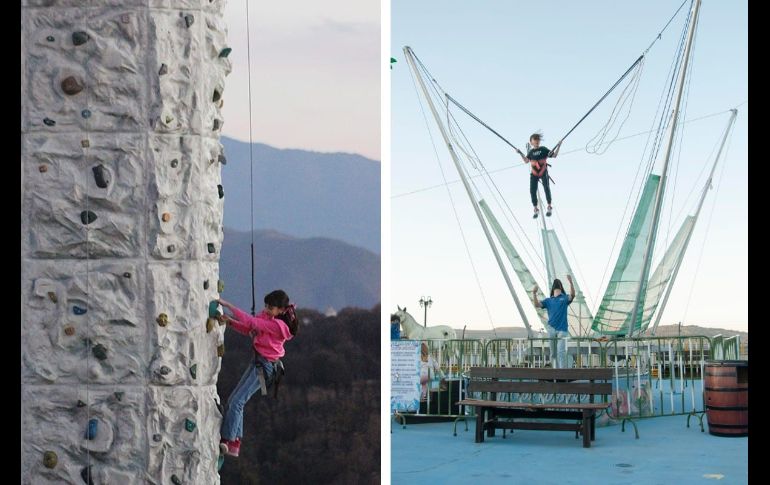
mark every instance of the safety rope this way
{"type": "Point", "coordinates": [251, 160]}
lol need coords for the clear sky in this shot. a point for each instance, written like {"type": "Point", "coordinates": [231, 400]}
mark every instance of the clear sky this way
{"type": "Point", "coordinates": [315, 75]}
{"type": "Point", "coordinates": [527, 66]}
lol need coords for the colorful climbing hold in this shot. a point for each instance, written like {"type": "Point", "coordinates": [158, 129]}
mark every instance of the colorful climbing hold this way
{"type": "Point", "coordinates": [119, 395]}
{"type": "Point", "coordinates": [211, 248]}
{"type": "Point", "coordinates": [127, 275]}
{"type": "Point", "coordinates": [52, 297]}
{"type": "Point", "coordinates": [210, 324]}
{"type": "Point", "coordinates": [43, 168]}
{"type": "Point", "coordinates": [206, 285]}
{"type": "Point", "coordinates": [188, 20]}
{"type": "Point", "coordinates": [217, 96]}
{"type": "Point", "coordinates": [162, 319]}
{"type": "Point", "coordinates": [174, 163]}
{"type": "Point", "coordinates": [220, 286]}
{"type": "Point", "coordinates": [166, 217]}
{"type": "Point", "coordinates": [225, 52]}
{"type": "Point", "coordinates": [78, 310]}
{"type": "Point", "coordinates": [50, 38]}
{"type": "Point", "coordinates": [91, 429]}
{"type": "Point", "coordinates": [80, 38]}
{"type": "Point", "coordinates": [50, 459]}
{"type": "Point", "coordinates": [156, 437]}
{"type": "Point", "coordinates": [101, 176]}
{"type": "Point", "coordinates": [189, 425]}
{"type": "Point", "coordinates": [221, 159]}
{"type": "Point", "coordinates": [100, 351]}
{"type": "Point", "coordinates": [86, 113]}
{"type": "Point", "coordinates": [69, 330]}
{"type": "Point", "coordinates": [164, 371]}
{"type": "Point", "coordinates": [49, 122]}
{"type": "Point", "coordinates": [220, 350]}
{"type": "Point", "coordinates": [214, 311]}
{"type": "Point", "coordinates": [81, 404]}
{"type": "Point", "coordinates": [125, 18]}
{"type": "Point", "coordinates": [85, 474]}
{"type": "Point", "coordinates": [221, 191]}
{"type": "Point", "coordinates": [70, 85]}
{"type": "Point", "coordinates": [175, 480]}
{"type": "Point", "coordinates": [85, 143]}
{"type": "Point", "coordinates": [163, 70]}
{"type": "Point", "coordinates": [171, 248]}
{"type": "Point", "coordinates": [216, 125]}
{"type": "Point", "coordinates": [220, 462]}
{"type": "Point", "coordinates": [87, 217]}
{"type": "Point", "coordinates": [194, 371]}
{"type": "Point", "coordinates": [169, 119]}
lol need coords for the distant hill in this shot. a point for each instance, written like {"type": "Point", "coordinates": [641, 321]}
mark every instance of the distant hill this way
{"type": "Point", "coordinates": [663, 331]}
{"type": "Point", "coordinates": [303, 193]}
{"type": "Point", "coordinates": [316, 272]}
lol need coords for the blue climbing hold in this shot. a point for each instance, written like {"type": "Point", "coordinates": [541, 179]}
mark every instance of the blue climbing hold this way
{"type": "Point", "coordinates": [85, 113]}
{"type": "Point", "coordinates": [79, 310]}
{"type": "Point", "coordinates": [91, 430]}
{"type": "Point", "coordinates": [85, 474]}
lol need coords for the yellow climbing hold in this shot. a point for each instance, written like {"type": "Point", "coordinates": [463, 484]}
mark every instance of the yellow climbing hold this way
{"type": "Point", "coordinates": [69, 330]}
{"type": "Point", "coordinates": [221, 350]}
{"type": "Point", "coordinates": [52, 297]}
{"type": "Point", "coordinates": [162, 319]}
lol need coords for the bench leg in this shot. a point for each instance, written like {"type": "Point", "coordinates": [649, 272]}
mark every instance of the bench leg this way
{"type": "Point", "coordinates": [491, 429]}
{"type": "Point", "coordinates": [480, 424]}
{"type": "Point", "coordinates": [586, 428]}
{"type": "Point", "coordinates": [593, 425]}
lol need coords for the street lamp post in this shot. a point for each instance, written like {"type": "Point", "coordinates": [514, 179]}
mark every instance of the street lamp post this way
{"type": "Point", "coordinates": [425, 303]}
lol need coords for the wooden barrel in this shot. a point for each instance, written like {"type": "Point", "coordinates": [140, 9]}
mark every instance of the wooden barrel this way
{"type": "Point", "coordinates": [727, 397]}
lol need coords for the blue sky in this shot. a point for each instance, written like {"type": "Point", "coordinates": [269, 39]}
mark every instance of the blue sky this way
{"type": "Point", "coordinates": [315, 75]}
{"type": "Point", "coordinates": [527, 66]}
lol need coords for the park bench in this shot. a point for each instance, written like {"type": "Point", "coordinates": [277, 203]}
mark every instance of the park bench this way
{"type": "Point", "coordinates": [564, 384]}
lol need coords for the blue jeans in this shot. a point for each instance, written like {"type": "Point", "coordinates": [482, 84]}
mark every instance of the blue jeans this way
{"type": "Point", "coordinates": [232, 425]}
{"type": "Point", "coordinates": [558, 347]}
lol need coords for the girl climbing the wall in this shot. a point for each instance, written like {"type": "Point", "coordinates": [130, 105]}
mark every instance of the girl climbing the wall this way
{"type": "Point", "coordinates": [270, 329]}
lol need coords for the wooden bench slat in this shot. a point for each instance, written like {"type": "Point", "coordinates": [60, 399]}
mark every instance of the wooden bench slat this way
{"type": "Point", "coordinates": [593, 373]}
{"type": "Point", "coordinates": [540, 426]}
{"type": "Point", "coordinates": [541, 387]}
{"type": "Point", "coordinates": [529, 405]}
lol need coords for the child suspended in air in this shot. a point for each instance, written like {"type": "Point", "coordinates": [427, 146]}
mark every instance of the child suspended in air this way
{"type": "Point", "coordinates": [269, 330]}
{"type": "Point", "coordinates": [537, 157]}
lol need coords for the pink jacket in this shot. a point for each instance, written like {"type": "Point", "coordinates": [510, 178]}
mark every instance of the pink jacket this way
{"type": "Point", "coordinates": [271, 332]}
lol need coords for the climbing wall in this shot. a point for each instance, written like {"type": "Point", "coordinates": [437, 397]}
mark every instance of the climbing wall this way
{"type": "Point", "coordinates": [121, 233]}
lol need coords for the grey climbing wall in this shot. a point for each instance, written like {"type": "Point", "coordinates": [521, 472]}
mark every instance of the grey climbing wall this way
{"type": "Point", "coordinates": [121, 234]}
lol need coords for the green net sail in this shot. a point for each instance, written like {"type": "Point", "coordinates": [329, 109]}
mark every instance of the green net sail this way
{"type": "Point", "coordinates": [616, 309]}
{"type": "Point", "coordinates": [663, 273]}
{"type": "Point", "coordinates": [579, 316]}
{"type": "Point", "coordinates": [525, 276]}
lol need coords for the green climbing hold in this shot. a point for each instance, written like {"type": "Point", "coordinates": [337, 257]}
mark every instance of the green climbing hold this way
{"type": "Point", "coordinates": [392, 61]}
{"type": "Point", "coordinates": [214, 311]}
{"type": "Point", "coordinates": [211, 248]}
{"type": "Point", "coordinates": [225, 52]}
{"type": "Point", "coordinates": [163, 70]}
{"type": "Point", "coordinates": [119, 395]}
{"type": "Point", "coordinates": [49, 122]}
{"type": "Point", "coordinates": [210, 322]}
{"type": "Point", "coordinates": [50, 459]}
{"type": "Point", "coordinates": [80, 38]}
{"type": "Point", "coordinates": [220, 462]}
{"type": "Point", "coordinates": [189, 425]}
{"type": "Point", "coordinates": [188, 20]}
{"type": "Point", "coordinates": [194, 371]}
{"type": "Point", "coordinates": [100, 351]}
{"type": "Point", "coordinates": [220, 286]}
{"type": "Point", "coordinates": [52, 296]}
{"type": "Point", "coordinates": [175, 480]}
{"type": "Point", "coordinates": [162, 319]}
{"type": "Point", "coordinates": [87, 217]}
{"type": "Point", "coordinates": [169, 119]}
{"type": "Point", "coordinates": [50, 38]}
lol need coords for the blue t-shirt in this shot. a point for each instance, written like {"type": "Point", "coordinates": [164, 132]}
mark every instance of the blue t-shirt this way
{"type": "Point", "coordinates": [395, 331]}
{"type": "Point", "coordinates": [557, 311]}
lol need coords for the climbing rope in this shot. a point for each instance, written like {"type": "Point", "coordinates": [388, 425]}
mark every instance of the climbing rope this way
{"type": "Point", "coordinates": [251, 160]}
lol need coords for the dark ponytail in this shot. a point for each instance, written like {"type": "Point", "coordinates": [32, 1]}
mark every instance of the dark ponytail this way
{"type": "Point", "coordinates": [289, 317]}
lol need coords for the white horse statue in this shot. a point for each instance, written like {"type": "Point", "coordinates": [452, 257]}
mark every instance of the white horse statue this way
{"type": "Point", "coordinates": [415, 331]}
